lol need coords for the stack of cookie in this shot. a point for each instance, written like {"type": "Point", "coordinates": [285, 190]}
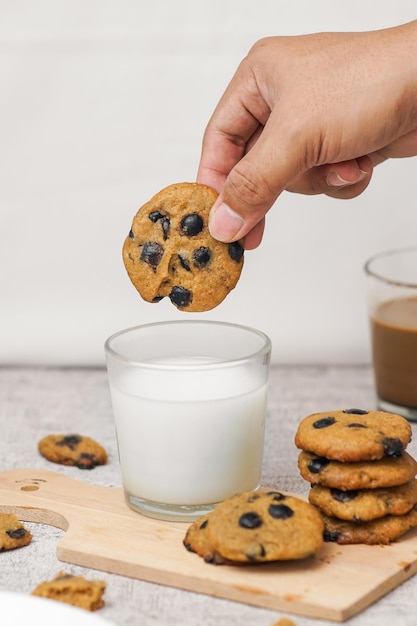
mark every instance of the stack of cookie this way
{"type": "Point", "coordinates": [362, 479]}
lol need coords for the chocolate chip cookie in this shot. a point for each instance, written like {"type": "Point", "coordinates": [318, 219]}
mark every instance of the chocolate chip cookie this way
{"type": "Point", "coordinates": [75, 590]}
{"type": "Point", "coordinates": [169, 251]}
{"type": "Point", "coordinates": [73, 449]}
{"type": "Point", "coordinates": [362, 505]}
{"type": "Point", "coordinates": [354, 435]}
{"type": "Point", "coordinates": [379, 531]}
{"type": "Point", "coordinates": [386, 472]}
{"type": "Point", "coordinates": [255, 527]}
{"type": "Point", "coordinates": [12, 532]}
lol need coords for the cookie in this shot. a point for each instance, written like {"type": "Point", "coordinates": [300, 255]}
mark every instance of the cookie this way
{"type": "Point", "coordinates": [387, 472]}
{"type": "Point", "coordinates": [75, 590]}
{"type": "Point", "coordinates": [354, 435]}
{"type": "Point", "coordinates": [255, 527]}
{"type": "Point", "coordinates": [12, 533]}
{"type": "Point", "coordinates": [362, 505]}
{"type": "Point", "coordinates": [379, 531]}
{"type": "Point", "coordinates": [169, 251]}
{"type": "Point", "coordinates": [73, 449]}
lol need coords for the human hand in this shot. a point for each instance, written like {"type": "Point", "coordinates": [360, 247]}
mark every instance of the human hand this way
{"type": "Point", "coordinates": [308, 114]}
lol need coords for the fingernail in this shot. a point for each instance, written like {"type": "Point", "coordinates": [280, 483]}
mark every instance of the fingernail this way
{"type": "Point", "coordinates": [334, 179]}
{"type": "Point", "coordinates": [224, 224]}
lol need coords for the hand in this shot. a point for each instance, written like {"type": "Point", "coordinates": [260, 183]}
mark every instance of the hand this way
{"type": "Point", "coordinates": [308, 114]}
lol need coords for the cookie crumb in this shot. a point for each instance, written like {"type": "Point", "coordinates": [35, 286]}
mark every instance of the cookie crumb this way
{"type": "Point", "coordinates": [75, 590]}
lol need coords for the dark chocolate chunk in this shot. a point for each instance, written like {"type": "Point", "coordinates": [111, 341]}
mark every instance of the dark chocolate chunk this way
{"type": "Point", "coordinates": [276, 495]}
{"type": "Point", "coordinates": [331, 535]}
{"type": "Point", "coordinates": [356, 411]}
{"type": "Point", "coordinates": [180, 296]}
{"type": "Point", "coordinates": [87, 460]}
{"type": "Point", "coordinates": [343, 496]}
{"type": "Point", "coordinates": [202, 256]}
{"type": "Point", "coordinates": [204, 524]}
{"type": "Point", "coordinates": [192, 224]}
{"type": "Point", "coordinates": [250, 520]}
{"type": "Point", "coordinates": [236, 251]}
{"type": "Point", "coordinates": [152, 253]}
{"type": "Point", "coordinates": [184, 263]}
{"type": "Point", "coordinates": [317, 464]}
{"type": "Point", "coordinates": [16, 533]}
{"type": "Point", "coordinates": [131, 234]}
{"type": "Point", "coordinates": [154, 216]}
{"type": "Point", "coordinates": [324, 422]}
{"type": "Point", "coordinates": [393, 447]}
{"type": "Point", "coordinates": [280, 511]}
{"type": "Point", "coordinates": [157, 298]}
{"type": "Point", "coordinates": [71, 441]}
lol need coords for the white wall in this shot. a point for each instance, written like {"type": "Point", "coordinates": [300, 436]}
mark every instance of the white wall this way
{"type": "Point", "coordinates": [103, 103]}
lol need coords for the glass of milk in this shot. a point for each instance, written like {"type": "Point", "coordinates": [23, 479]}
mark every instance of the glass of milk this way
{"type": "Point", "coordinates": [189, 402]}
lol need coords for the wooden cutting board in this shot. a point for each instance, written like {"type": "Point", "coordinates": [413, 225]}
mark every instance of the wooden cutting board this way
{"type": "Point", "coordinates": [103, 533]}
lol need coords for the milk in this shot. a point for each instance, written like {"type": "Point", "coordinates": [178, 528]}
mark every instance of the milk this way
{"type": "Point", "coordinates": [189, 434]}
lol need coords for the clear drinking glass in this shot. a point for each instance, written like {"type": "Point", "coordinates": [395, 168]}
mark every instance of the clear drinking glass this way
{"type": "Point", "coordinates": [189, 403]}
{"type": "Point", "coordinates": [392, 297]}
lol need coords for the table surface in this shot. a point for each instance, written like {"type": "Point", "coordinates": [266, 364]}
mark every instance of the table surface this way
{"type": "Point", "coordinates": [35, 402]}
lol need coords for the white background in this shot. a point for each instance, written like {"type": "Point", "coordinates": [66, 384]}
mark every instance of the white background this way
{"type": "Point", "coordinates": [102, 104]}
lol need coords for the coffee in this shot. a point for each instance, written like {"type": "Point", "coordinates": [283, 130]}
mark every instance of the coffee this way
{"type": "Point", "coordinates": [394, 345]}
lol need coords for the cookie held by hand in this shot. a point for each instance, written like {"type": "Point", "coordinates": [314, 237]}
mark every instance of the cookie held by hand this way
{"type": "Point", "coordinates": [170, 252]}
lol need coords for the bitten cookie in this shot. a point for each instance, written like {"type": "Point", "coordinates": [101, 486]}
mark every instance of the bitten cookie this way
{"type": "Point", "coordinates": [378, 531]}
{"type": "Point", "coordinates": [255, 527]}
{"type": "Point", "coordinates": [169, 250]}
{"type": "Point", "coordinates": [362, 505]}
{"type": "Point", "coordinates": [73, 449]}
{"type": "Point", "coordinates": [354, 435]}
{"type": "Point", "coordinates": [387, 472]}
{"type": "Point", "coordinates": [12, 533]}
{"type": "Point", "coordinates": [75, 590]}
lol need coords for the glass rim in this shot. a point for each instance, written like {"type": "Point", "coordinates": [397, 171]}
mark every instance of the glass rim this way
{"type": "Point", "coordinates": [230, 362]}
{"type": "Point", "coordinates": [385, 279]}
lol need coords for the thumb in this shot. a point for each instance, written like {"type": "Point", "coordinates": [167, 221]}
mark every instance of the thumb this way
{"type": "Point", "coordinates": [254, 184]}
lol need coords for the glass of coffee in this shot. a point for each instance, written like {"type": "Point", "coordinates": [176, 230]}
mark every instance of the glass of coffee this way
{"type": "Point", "coordinates": [392, 304]}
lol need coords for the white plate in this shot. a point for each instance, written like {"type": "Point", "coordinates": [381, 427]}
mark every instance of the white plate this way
{"type": "Point", "coordinates": [24, 609]}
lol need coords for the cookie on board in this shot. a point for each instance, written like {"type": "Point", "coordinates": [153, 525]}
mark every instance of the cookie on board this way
{"type": "Point", "coordinates": [386, 472]}
{"type": "Point", "coordinates": [170, 252]}
{"type": "Point", "coordinates": [255, 527]}
{"type": "Point", "coordinates": [363, 505]}
{"type": "Point", "coordinates": [354, 435]}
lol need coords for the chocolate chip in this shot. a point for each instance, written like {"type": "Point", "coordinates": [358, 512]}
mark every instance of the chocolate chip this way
{"type": "Point", "coordinates": [317, 464]}
{"type": "Point", "coordinates": [204, 524]}
{"type": "Point", "coordinates": [324, 422]}
{"type": "Point", "coordinates": [16, 533]}
{"type": "Point", "coordinates": [192, 224]}
{"type": "Point", "coordinates": [71, 441]}
{"type": "Point", "coordinates": [152, 253]}
{"type": "Point", "coordinates": [235, 251]}
{"type": "Point", "coordinates": [181, 297]}
{"type": "Point", "coordinates": [343, 496]}
{"type": "Point", "coordinates": [276, 495]}
{"type": "Point", "coordinates": [184, 263]}
{"type": "Point", "coordinates": [356, 425]}
{"type": "Point", "coordinates": [131, 234]}
{"type": "Point", "coordinates": [250, 520]}
{"type": "Point", "coordinates": [86, 460]}
{"type": "Point", "coordinates": [154, 216]}
{"type": "Point", "coordinates": [392, 447]}
{"type": "Point", "coordinates": [356, 411]}
{"type": "Point", "coordinates": [280, 511]}
{"type": "Point", "coordinates": [202, 256]}
{"type": "Point", "coordinates": [157, 298]}
{"type": "Point", "coordinates": [331, 535]}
